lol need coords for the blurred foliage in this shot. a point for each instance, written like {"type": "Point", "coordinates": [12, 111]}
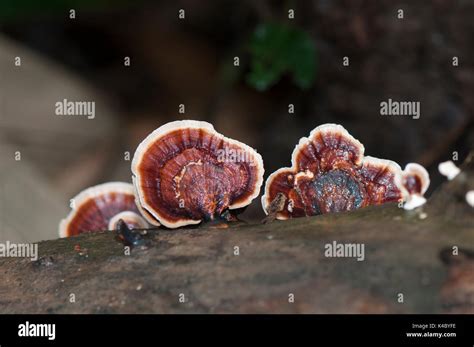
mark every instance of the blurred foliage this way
{"type": "Point", "coordinates": [278, 49]}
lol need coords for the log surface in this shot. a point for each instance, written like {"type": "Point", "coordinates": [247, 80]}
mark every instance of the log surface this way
{"type": "Point", "coordinates": [402, 256]}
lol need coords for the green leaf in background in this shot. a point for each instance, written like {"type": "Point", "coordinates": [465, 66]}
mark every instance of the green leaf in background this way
{"type": "Point", "coordinates": [280, 49]}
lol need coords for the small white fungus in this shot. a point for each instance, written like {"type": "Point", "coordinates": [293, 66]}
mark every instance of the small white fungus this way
{"type": "Point", "coordinates": [423, 215]}
{"type": "Point", "coordinates": [470, 198]}
{"type": "Point", "coordinates": [414, 201]}
{"type": "Point", "coordinates": [448, 169]}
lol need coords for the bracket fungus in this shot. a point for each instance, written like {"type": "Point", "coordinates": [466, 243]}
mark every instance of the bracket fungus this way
{"type": "Point", "coordinates": [416, 180]}
{"type": "Point", "coordinates": [329, 173]}
{"type": "Point", "coordinates": [100, 208]}
{"type": "Point", "coordinates": [185, 172]}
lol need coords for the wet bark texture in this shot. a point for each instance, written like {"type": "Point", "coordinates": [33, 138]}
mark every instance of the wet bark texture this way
{"type": "Point", "coordinates": [407, 253]}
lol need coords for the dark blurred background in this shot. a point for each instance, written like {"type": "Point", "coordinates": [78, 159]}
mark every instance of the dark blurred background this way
{"type": "Point", "coordinates": [191, 61]}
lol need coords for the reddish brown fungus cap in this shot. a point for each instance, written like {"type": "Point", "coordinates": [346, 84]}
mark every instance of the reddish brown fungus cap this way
{"type": "Point", "coordinates": [97, 207]}
{"type": "Point", "coordinates": [329, 173]}
{"type": "Point", "coordinates": [185, 172]}
{"type": "Point", "coordinates": [415, 179]}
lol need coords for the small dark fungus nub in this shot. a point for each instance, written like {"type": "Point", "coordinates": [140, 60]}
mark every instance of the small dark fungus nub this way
{"type": "Point", "coordinates": [100, 207]}
{"type": "Point", "coordinates": [329, 173]}
{"type": "Point", "coordinates": [185, 172]}
{"type": "Point", "coordinates": [127, 236]}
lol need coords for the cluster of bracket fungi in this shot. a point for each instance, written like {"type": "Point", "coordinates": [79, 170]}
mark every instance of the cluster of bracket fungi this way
{"type": "Point", "coordinates": [185, 173]}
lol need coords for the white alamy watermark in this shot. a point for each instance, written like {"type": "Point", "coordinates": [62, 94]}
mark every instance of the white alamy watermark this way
{"type": "Point", "coordinates": [28, 329]}
{"type": "Point", "coordinates": [229, 155]}
{"type": "Point", "coordinates": [345, 250]}
{"type": "Point", "coordinates": [400, 108]}
{"type": "Point", "coordinates": [75, 108]}
{"type": "Point", "coordinates": [19, 250]}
